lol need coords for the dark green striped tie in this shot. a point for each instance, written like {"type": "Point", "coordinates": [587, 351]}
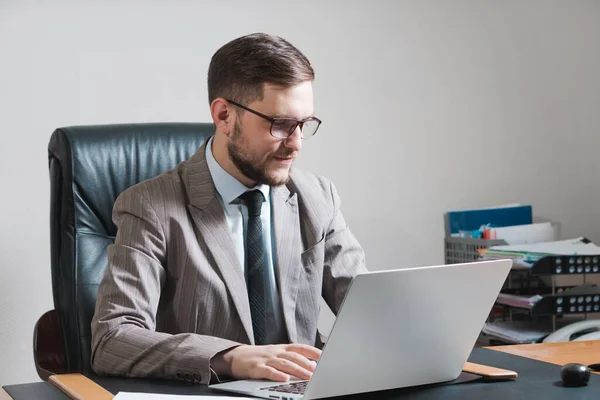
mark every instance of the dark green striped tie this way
{"type": "Point", "coordinates": [256, 266]}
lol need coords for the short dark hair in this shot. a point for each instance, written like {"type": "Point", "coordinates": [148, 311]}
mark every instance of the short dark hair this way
{"type": "Point", "coordinates": [240, 68]}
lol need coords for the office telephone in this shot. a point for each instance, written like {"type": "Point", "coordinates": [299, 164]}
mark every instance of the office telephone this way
{"type": "Point", "coordinates": [577, 331]}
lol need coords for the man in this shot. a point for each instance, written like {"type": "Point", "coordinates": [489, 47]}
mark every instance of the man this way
{"type": "Point", "coordinates": [219, 264]}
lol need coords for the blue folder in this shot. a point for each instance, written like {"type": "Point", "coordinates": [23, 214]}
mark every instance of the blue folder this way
{"type": "Point", "coordinates": [471, 220]}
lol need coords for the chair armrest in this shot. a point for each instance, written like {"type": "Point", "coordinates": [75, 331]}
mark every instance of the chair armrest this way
{"type": "Point", "coordinates": [77, 386]}
{"type": "Point", "coordinates": [48, 347]}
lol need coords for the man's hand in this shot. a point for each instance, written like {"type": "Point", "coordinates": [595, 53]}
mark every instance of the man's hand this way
{"type": "Point", "coordinates": [274, 362]}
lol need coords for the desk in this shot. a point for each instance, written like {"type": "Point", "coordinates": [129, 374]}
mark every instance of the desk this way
{"type": "Point", "coordinates": [539, 375]}
{"type": "Point", "coordinates": [557, 353]}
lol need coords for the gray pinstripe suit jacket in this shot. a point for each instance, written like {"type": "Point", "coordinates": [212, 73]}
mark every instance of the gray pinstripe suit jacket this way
{"type": "Point", "coordinates": [174, 294]}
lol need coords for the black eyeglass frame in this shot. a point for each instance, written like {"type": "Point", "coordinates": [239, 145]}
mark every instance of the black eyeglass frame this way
{"type": "Point", "coordinates": [273, 120]}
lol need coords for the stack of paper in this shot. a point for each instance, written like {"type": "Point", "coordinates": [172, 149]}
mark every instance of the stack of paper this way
{"type": "Point", "coordinates": [521, 260]}
{"type": "Point", "coordinates": [570, 247]}
{"type": "Point", "coordinates": [516, 300]}
{"type": "Point", "coordinates": [524, 256]}
{"type": "Point", "coordinates": [524, 234]}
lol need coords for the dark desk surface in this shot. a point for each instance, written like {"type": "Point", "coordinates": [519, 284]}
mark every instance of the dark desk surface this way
{"type": "Point", "coordinates": [537, 379]}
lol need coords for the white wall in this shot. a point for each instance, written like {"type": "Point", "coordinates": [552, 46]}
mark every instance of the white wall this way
{"type": "Point", "coordinates": [427, 105]}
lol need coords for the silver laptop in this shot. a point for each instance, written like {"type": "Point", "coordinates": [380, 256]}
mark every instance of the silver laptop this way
{"type": "Point", "coordinates": [397, 328]}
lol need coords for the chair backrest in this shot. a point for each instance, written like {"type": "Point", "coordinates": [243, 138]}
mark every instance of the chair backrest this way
{"type": "Point", "coordinates": [89, 167]}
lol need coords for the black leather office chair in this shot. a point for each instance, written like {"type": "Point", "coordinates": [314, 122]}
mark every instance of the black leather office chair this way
{"type": "Point", "coordinates": [89, 167]}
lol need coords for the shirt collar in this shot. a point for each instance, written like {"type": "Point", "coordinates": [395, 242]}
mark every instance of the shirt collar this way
{"type": "Point", "coordinates": [228, 187]}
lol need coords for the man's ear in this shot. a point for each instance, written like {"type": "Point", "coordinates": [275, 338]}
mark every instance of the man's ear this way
{"type": "Point", "coordinates": [222, 115]}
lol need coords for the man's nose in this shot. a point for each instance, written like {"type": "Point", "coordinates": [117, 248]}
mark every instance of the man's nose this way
{"type": "Point", "coordinates": [294, 141]}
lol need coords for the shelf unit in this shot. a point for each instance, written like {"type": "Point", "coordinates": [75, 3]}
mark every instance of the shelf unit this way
{"type": "Point", "coordinates": [556, 301]}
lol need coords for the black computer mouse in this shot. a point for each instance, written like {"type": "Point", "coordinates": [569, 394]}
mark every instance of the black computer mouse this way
{"type": "Point", "coordinates": [575, 375]}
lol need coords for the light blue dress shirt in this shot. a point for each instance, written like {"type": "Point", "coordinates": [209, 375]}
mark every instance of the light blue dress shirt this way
{"type": "Point", "coordinates": [228, 190]}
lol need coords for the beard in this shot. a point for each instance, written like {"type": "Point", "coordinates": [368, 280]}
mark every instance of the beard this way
{"type": "Point", "coordinates": [252, 165]}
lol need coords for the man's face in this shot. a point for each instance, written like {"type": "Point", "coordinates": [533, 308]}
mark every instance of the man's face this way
{"type": "Point", "coordinates": [261, 157]}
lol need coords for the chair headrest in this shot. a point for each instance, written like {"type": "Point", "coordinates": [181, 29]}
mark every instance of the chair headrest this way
{"type": "Point", "coordinates": [101, 161]}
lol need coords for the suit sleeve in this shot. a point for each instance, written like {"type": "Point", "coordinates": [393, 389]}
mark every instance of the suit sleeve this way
{"type": "Point", "coordinates": [124, 339]}
{"type": "Point", "coordinates": [344, 257]}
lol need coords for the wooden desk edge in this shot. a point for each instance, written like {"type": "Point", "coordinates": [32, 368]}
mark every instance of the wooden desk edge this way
{"type": "Point", "coordinates": [4, 395]}
{"type": "Point", "coordinates": [79, 387]}
{"type": "Point", "coordinates": [584, 352]}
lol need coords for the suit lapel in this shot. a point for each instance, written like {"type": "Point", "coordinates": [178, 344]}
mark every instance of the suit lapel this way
{"type": "Point", "coordinates": [287, 247]}
{"type": "Point", "coordinates": [209, 218]}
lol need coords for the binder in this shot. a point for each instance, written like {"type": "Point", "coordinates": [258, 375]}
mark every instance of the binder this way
{"type": "Point", "coordinates": [470, 220]}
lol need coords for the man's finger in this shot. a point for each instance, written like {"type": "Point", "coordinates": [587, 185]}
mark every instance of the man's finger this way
{"type": "Point", "coordinates": [289, 368]}
{"type": "Point", "coordinates": [307, 351]}
{"type": "Point", "coordinates": [270, 373]}
{"type": "Point", "coordinates": [299, 359]}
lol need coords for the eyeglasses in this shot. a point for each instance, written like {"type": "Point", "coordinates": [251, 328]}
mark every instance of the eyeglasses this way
{"type": "Point", "coordinates": [282, 128]}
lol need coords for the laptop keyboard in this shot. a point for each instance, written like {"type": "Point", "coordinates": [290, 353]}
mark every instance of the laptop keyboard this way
{"type": "Point", "coordinates": [294, 387]}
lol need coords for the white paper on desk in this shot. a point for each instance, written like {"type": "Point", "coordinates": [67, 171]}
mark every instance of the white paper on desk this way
{"type": "Point", "coordinates": [158, 396]}
{"type": "Point", "coordinates": [569, 247]}
{"type": "Point", "coordinates": [525, 234]}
